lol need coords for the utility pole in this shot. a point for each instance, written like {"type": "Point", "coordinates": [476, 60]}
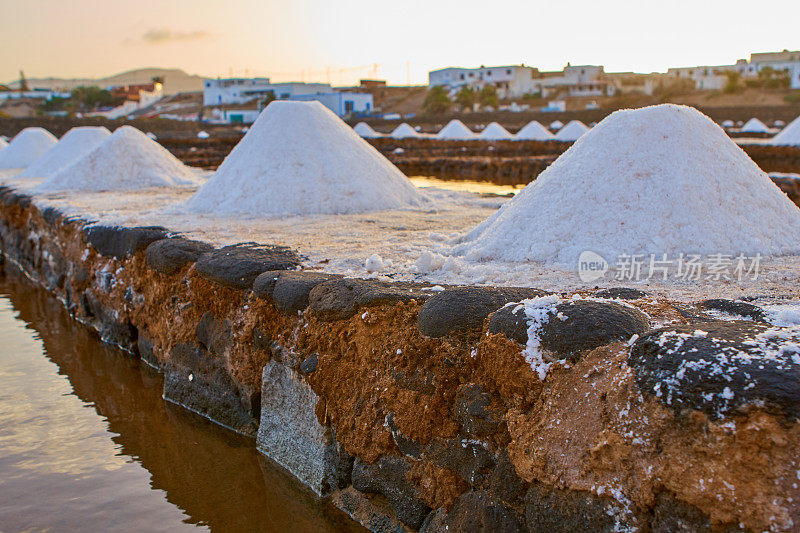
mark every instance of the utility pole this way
{"type": "Point", "coordinates": [23, 83]}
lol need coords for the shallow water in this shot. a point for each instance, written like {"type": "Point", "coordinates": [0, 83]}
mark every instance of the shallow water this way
{"type": "Point", "coordinates": [87, 443]}
{"type": "Point", "coordinates": [480, 187]}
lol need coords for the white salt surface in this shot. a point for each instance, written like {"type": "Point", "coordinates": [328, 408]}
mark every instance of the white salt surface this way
{"type": "Point", "coordinates": [495, 132]}
{"type": "Point", "coordinates": [365, 130]}
{"type": "Point", "coordinates": [572, 131]}
{"type": "Point", "coordinates": [125, 160]}
{"type": "Point", "coordinates": [404, 131]}
{"type": "Point", "coordinates": [657, 180]}
{"type": "Point", "coordinates": [300, 159]}
{"type": "Point", "coordinates": [26, 147]}
{"type": "Point", "coordinates": [556, 125]}
{"type": "Point", "coordinates": [76, 143]}
{"type": "Point", "coordinates": [455, 130]}
{"type": "Point", "coordinates": [534, 131]}
{"type": "Point", "coordinates": [754, 126]}
{"type": "Point", "coordinates": [3, 144]}
{"type": "Point", "coordinates": [789, 136]}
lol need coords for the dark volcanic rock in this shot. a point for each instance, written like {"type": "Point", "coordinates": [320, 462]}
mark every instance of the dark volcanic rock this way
{"type": "Point", "coordinates": [505, 483]}
{"type": "Point", "coordinates": [621, 293]}
{"type": "Point", "coordinates": [468, 459]}
{"type": "Point", "coordinates": [289, 289]}
{"type": "Point", "coordinates": [146, 351]}
{"type": "Point", "coordinates": [51, 215]}
{"type": "Point", "coordinates": [549, 510]}
{"type": "Point", "coordinates": [106, 322]}
{"type": "Point", "coordinates": [388, 477]}
{"type": "Point", "coordinates": [464, 308]}
{"type": "Point", "coordinates": [340, 299]}
{"type": "Point", "coordinates": [674, 516]}
{"type": "Point", "coordinates": [122, 242]}
{"type": "Point", "coordinates": [720, 366]}
{"type": "Point", "coordinates": [471, 411]}
{"type": "Point", "coordinates": [200, 382]}
{"type": "Point", "coordinates": [575, 327]}
{"type": "Point", "coordinates": [167, 256]}
{"type": "Point", "coordinates": [732, 307]}
{"type": "Point", "coordinates": [476, 511]}
{"type": "Point", "coordinates": [238, 266]}
{"type": "Point", "coordinates": [309, 364]}
{"type": "Point", "coordinates": [215, 335]}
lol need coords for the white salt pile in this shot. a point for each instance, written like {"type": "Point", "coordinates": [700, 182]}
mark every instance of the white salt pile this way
{"type": "Point", "coordinates": [534, 131]}
{"type": "Point", "coordinates": [203, 134]}
{"type": "Point", "coordinates": [125, 160]}
{"type": "Point", "coordinates": [300, 159]}
{"type": "Point", "coordinates": [495, 132]}
{"type": "Point", "coordinates": [572, 131]}
{"type": "Point", "coordinates": [3, 144]}
{"type": "Point", "coordinates": [789, 136]}
{"type": "Point", "coordinates": [556, 125]}
{"type": "Point", "coordinates": [728, 124]}
{"type": "Point", "coordinates": [404, 131]}
{"type": "Point", "coordinates": [754, 126]}
{"type": "Point", "coordinates": [26, 147]}
{"type": "Point", "coordinates": [455, 131]}
{"type": "Point", "coordinates": [76, 143]}
{"type": "Point", "coordinates": [365, 130]}
{"type": "Point", "coordinates": [657, 180]}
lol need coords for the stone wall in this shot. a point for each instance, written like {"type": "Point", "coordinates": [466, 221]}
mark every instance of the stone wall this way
{"type": "Point", "coordinates": [413, 408]}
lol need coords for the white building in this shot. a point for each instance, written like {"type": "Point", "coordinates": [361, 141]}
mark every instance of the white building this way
{"type": "Point", "coordinates": [715, 77]}
{"type": "Point", "coordinates": [239, 91]}
{"type": "Point", "coordinates": [44, 94]}
{"type": "Point", "coordinates": [511, 81]}
{"type": "Point", "coordinates": [223, 91]}
{"type": "Point", "coordinates": [515, 81]}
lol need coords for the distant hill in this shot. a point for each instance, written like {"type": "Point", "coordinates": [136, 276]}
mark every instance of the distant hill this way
{"type": "Point", "coordinates": [175, 80]}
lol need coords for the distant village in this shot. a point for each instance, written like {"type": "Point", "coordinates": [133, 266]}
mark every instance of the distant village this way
{"type": "Point", "coordinates": [514, 88]}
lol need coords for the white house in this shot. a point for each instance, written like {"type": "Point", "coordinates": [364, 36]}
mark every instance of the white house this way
{"type": "Point", "coordinates": [715, 77]}
{"type": "Point", "coordinates": [511, 81]}
{"type": "Point", "coordinates": [341, 103]}
{"type": "Point", "coordinates": [223, 91]}
{"type": "Point", "coordinates": [514, 81]}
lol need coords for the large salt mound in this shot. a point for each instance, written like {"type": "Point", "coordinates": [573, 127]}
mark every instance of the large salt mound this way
{"type": "Point", "coordinates": [754, 126]}
{"type": "Point", "coordinates": [73, 145]}
{"type": "Point", "coordinates": [534, 131]}
{"type": "Point", "coordinates": [404, 131]}
{"type": "Point", "coordinates": [789, 136]}
{"type": "Point", "coordinates": [494, 132]}
{"type": "Point", "coordinates": [365, 130]}
{"type": "Point", "coordinates": [657, 180]}
{"type": "Point", "coordinates": [26, 147]}
{"type": "Point", "coordinates": [572, 131]}
{"type": "Point", "coordinates": [300, 159]}
{"type": "Point", "coordinates": [455, 131]}
{"type": "Point", "coordinates": [126, 160]}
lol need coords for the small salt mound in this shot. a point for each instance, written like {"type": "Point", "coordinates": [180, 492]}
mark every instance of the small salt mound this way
{"type": "Point", "coordinates": [657, 180]}
{"type": "Point", "coordinates": [455, 131]}
{"type": "Point", "coordinates": [404, 131]}
{"type": "Point", "coordinates": [556, 125]}
{"type": "Point", "coordinates": [572, 131]}
{"type": "Point", "coordinates": [789, 136]}
{"type": "Point", "coordinates": [26, 147]}
{"type": "Point", "coordinates": [76, 143]}
{"type": "Point", "coordinates": [365, 130]}
{"type": "Point", "coordinates": [534, 131]}
{"type": "Point", "coordinates": [754, 126]}
{"type": "Point", "coordinates": [728, 124]}
{"type": "Point", "coordinates": [495, 132]}
{"type": "Point", "coordinates": [203, 134]}
{"type": "Point", "coordinates": [300, 159]}
{"type": "Point", "coordinates": [125, 160]}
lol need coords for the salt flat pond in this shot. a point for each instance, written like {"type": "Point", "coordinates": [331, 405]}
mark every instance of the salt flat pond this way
{"type": "Point", "coordinates": [87, 442]}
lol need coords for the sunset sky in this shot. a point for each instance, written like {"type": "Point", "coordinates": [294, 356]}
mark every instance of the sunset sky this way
{"type": "Point", "coordinates": [316, 40]}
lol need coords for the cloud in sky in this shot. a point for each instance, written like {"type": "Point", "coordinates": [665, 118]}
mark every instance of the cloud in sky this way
{"type": "Point", "coordinates": [164, 35]}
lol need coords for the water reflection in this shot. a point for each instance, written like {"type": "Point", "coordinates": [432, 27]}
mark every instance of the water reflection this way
{"type": "Point", "coordinates": [86, 441]}
{"type": "Point", "coordinates": [479, 187]}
